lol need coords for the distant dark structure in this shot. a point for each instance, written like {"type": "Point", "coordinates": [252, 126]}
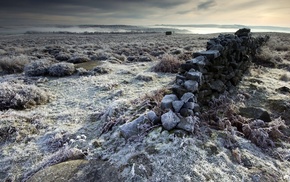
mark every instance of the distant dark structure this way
{"type": "Point", "coordinates": [168, 32]}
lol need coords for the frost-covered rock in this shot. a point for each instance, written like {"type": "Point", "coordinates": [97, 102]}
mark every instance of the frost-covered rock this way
{"type": "Point", "coordinates": [177, 105]}
{"type": "Point", "coordinates": [169, 120]}
{"type": "Point", "coordinates": [18, 96]}
{"type": "Point", "coordinates": [132, 128]}
{"type": "Point", "coordinates": [187, 123]}
{"type": "Point", "coordinates": [167, 100]}
{"type": "Point", "coordinates": [37, 68]}
{"type": "Point", "coordinates": [61, 69]}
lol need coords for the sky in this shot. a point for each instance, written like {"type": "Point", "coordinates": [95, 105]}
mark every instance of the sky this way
{"type": "Point", "coordinates": [145, 12]}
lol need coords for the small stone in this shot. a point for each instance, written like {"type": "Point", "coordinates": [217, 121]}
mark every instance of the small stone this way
{"type": "Point", "coordinates": [191, 86]}
{"type": "Point", "coordinates": [177, 105]}
{"type": "Point", "coordinates": [187, 124]}
{"type": "Point", "coordinates": [188, 96]}
{"type": "Point", "coordinates": [255, 113]}
{"type": "Point", "coordinates": [131, 129]}
{"type": "Point", "coordinates": [195, 76]}
{"type": "Point", "coordinates": [167, 100]}
{"type": "Point", "coordinates": [151, 115]}
{"type": "Point", "coordinates": [169, 120]}
{"type": "Point", "coordinates": [209, 54]}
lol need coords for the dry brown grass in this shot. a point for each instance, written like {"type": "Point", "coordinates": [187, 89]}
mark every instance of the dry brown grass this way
{"type": "Point", "coordinates": [168, 64]}
{"type": "Point", "coordinates": [13, 64]}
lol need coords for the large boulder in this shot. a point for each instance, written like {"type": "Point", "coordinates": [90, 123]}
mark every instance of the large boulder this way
{"type": "Point", "coordinates": [78, 170]}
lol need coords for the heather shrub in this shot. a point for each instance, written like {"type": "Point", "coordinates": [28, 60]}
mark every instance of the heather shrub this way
{"type": "Point", "coordinates": [13, 64]}
{"type": "Point", "coordinates": [61, 69]}
{"type": "Point", "coordinates": [37, 68]}
{"type": "Point", "coordinates": [18, 96]}
{"type": "Point", "coordinates": [168, 64]}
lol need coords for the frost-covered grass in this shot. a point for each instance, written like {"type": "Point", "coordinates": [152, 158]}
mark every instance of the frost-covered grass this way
{"type": "Point", "coordinates": [13, 64]}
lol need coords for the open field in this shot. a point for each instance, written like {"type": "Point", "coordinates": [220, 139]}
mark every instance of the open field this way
{"type": "Point", "coordinates": [81, 88]}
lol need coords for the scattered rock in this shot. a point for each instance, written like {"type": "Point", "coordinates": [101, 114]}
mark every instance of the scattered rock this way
{"type": "Point", "coordinates": [283, 90]}
{"type": "Point", "coordinates": [188, 97]}
{"type": "Point", "coordinates": [132, 128]}
{"type": "Point", "coordinates": [255, 113]}
{"type": "Point", "coordinates": [146, 78]}
{"type": "Point", "coordinates": [169, 120]}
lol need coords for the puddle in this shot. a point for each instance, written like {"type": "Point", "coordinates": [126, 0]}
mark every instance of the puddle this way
{"type": "Point", "coordinates": [88, 65]}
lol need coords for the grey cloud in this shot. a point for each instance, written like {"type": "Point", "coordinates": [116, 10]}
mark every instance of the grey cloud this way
{"type": "Point", "coordinates": [206, 5]}
{"type": "Point", "coordinates": [86, 8]}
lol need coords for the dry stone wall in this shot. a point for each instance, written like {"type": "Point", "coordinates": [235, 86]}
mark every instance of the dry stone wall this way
{"type": "Point", "coordinates": [209, 74]}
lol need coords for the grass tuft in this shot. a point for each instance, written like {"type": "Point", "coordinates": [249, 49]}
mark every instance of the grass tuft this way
{"type": "Point", "coordinates": [168, 64]}
{"type": "Point", "coordinates": [13, 64]}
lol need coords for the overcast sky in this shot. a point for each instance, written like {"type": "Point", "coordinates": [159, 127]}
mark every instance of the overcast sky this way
{"type": "Point", "coordinates": [145, 12]}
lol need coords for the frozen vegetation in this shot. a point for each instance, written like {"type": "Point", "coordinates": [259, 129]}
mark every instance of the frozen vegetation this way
{"type": "Point", "coordinates": [65, 98]}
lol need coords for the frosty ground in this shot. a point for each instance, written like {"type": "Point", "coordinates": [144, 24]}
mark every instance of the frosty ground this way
{"type": "Point", "coordinates": [71, 125]}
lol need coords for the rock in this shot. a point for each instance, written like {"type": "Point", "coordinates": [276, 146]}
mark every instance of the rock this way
{"type": "Point", "coordinates": [186, 112]}
{"type": "Point", "coordinates": [195, 76]}
{"type": "Point", "coordinates": [209, 54]}
{"type": "Point", "coordinates": [146, 78]}
{"type": "Point", "coordinates": [78, 170]}
{"type": "Point", "coordinates": [132, 128]}
{"type": "Point", "coordinates": [196, 108]}
{"type": "Point", "coordinates": [243, 32]}
{"type": "Point", "coordinates": [151, 115]}
{"type": "Point", "coordinates": [169, 120]}
{"type": "Point", "coordinates": [177, 105]}
{"type": "Point", "coordinates": [78, 59]}
{"type": "Point", "coordinates": [187, 124]}
{"type": "Point", "coordinates": [188, 97]}
{"type": "Point", "coordinates": [37, 68]}
{"type": "Point", "coordinates": [61, 69]}
{"type": "Point", "coordinates": [218, 85]}
{"type": "Point", "coordinates": [255, 113]}
{"type": "Point", "coordinates": [191, 86]}
{"type": "Point", "coordinates": [166, 102]}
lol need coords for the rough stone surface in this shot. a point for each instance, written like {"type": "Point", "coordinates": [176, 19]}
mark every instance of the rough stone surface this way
{"type": "Point", "coordinates": [255, 113]}
{"type": "Point", "coordinates": [177, 105]}
{"type": "Point", "coordinates": [191, 85]}
{"type": "Point", "coordinates": [187, 124]}
{"type": "Point", "coordinates": [169, 120]}
{"type": "Point", "coordinates": [188, 97]}
{"type": "Point", "coordinates": [151, 115]}
{"type": "Point", "coordinates": [78, 170]}
{"type": "Point", "coordinates": [132, 128]}
{"type": "Point", "coordinates": [166, 102]}
{"type": "Point", "coordinates": [195, 76]}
